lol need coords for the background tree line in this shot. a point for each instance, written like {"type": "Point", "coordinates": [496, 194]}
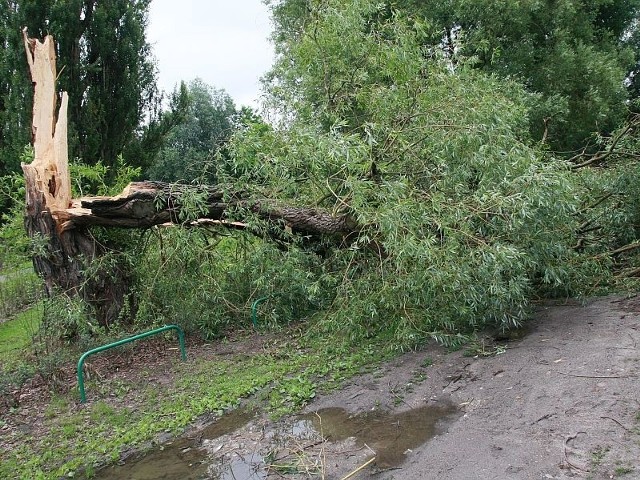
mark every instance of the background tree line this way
{"type": "Point", "coordinates": [579, 59]}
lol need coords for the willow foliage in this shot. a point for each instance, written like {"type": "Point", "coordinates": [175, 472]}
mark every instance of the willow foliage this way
{"type": "Point", "coordinates": [579, 56]}
{"type": "Point", "coordinates": [463, 220]}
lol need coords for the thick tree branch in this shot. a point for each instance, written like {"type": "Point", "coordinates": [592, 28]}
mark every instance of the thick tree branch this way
{"type": "Point", "coordinates": [601, 156]}
{"type": "Point", "coordinates": [144, 204]}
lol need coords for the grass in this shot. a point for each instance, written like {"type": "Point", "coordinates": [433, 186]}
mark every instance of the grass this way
{"type": "Point", "coordinates": [623, 470]}
{"type": "Point", "coordinates": [80, 438]}
{"type": "Point", "coordinates": [18, 289]}
{"type": "Point", "coordinates": [597, 456]}
{"type": "Point", "coordinates": [16, 334]}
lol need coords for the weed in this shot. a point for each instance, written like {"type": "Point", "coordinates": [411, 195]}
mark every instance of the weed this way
{"type": "Point", "coordinates": [15, 376]}
{"type": "Point", "coordinates": [623, 470]}
{"type": "Point", "coordinates": [397, 393]}
{"type": "Point", "coordinates": [426, 362]}
{"type": "Point", "coordinates": [419, 377]}
{"type": "Point", "coordinates": [598, 455]}
{"type": "Point", "coordinates": [57, 405]}
{"type": "Point", "coordinates": [69, 431]}
{"type": "Point", "coordinates": [291, 394]}
{"type": "Point", "coordinates": [116, 388]}
{"type": "Point", "coordinates": [482, 348]}
{"type": "Point", "coordinates": [18, 289]}
{"type": "Point", "coordinates": [103, 413]}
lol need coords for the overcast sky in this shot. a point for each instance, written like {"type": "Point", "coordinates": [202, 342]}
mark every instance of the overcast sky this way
{"type": "Point", "coordinates": [225, 43]}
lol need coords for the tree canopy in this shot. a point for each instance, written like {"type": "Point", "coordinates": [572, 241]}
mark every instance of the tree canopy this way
{"type": "Point", "coordinates": [575, 55]}
{"type": "Point", "coordinates": [189, 148]}
{"type": "Point", "coordinates": [463, 216]}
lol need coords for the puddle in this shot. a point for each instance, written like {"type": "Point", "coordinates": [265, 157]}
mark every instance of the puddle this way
{"type": "Point", "coordinates": [225, 450]}
{"type": "Point", "coordinates": [228, 423]}
{"type": "Point", "coordinates": [176, 460]}
{"type": "Point", "coordinates": [183, 459]}
{"type": "Point", "coordinates": [388, 435]}
{"type": "Point", "coordinates": [249, 467]}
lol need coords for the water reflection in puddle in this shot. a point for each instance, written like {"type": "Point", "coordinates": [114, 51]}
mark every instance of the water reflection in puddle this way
{"type": "Point", "coordinates": [389, 435]}
{"type": "Point", "coordinates": [183, 459]}
{"type": "Point", "coordinates": [177, 460]}
{"type": "Point", "coordinates": [249, 467]}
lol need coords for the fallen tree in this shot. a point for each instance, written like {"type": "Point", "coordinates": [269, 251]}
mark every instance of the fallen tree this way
{"type": "Point", "coordinates": [61, 225]}
{"type": "Point", "coordinates": [460, 219]}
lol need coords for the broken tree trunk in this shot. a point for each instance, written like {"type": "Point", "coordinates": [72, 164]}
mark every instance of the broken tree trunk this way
{"type": "Point", "coordinates": [60, 256]}
{"type": "Point", "coordinates": [60, 225]}
{"type": "Point", "coordinates": [145, 204]}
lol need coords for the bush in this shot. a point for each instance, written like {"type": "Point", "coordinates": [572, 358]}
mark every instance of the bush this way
{"type": "Point", "coordinates": [207, 283]}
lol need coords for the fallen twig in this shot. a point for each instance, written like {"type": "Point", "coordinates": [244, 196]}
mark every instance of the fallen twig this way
{"type": "Point", "coordinates": [616, 421]}
{"type": "Point", "coordinates": [323, 455]}
{"type": "Point", "coordinates": [592, 376]}
{"type": "Point", "coordinates": [361, 467]}
{"type": "Point", "coordinates": [566, 457]}
{"type": "Point", "coordinates": [544, 417]}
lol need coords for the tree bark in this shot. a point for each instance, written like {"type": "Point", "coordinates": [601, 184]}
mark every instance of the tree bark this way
{"type": "Point", "coordinates": [61, 256]}
{"type": "Point", "coordinates": [145, 204]}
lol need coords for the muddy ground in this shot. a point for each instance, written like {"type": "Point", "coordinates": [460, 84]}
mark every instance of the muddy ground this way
{"type": "Point", "coordinates": [560, 402]}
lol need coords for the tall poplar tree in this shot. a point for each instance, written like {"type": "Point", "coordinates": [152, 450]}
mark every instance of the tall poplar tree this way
{"type": "Point", "coordinates": [105, 65]}
{"type": "Point", "coordinates": [15, 90]}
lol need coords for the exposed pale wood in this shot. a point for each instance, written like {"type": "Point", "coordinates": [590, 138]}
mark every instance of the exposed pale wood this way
{"type": "Point", "coordinates": [49, 168]}
{"type": "Point", "coordinates": [62, 256]}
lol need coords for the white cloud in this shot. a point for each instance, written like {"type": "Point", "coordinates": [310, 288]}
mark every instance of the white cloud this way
{"type": "Point", "coordinates": [225, 43]}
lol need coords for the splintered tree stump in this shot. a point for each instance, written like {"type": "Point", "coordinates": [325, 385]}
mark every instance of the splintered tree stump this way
{"type": "Point", "coordinates": [59, 225]}
{"type": "Point", "coordinates": [60, 256]}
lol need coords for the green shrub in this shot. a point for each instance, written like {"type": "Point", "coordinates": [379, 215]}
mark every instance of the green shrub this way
{"type": "Point", "coordinates": [207, 283]}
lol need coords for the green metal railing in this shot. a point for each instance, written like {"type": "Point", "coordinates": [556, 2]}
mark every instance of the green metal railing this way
{"type": "Point", "coordinates": [84, 356]}
{"type": "Point", "coordinates": [254, 309]}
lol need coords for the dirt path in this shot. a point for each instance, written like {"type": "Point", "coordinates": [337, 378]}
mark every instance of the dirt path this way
{"type": "Point", "coordinates": [563, 402]}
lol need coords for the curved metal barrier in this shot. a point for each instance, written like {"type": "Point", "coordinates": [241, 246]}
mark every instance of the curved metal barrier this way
{"type": "Point", "coordinates": [84, 356]}
{"type": "Point", "coordinates": [254, 309]}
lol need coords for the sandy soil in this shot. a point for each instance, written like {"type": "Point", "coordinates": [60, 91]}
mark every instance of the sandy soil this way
{"type": "Point", "coordinates": [561, 402]}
